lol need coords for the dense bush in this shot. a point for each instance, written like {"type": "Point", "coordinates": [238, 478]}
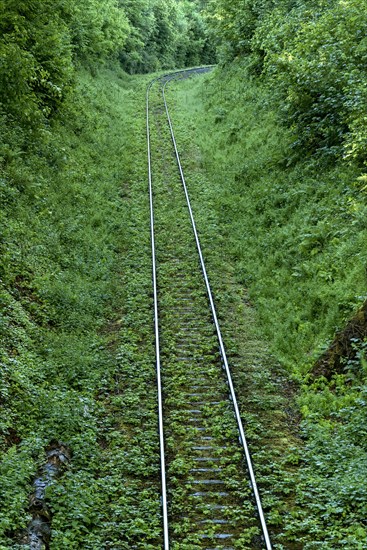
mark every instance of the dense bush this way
{"type": "Point", "coordinates": [40, 45]}
{"type": "Point", "coordinates": [317, 62]}
{"type": "Point", "coordinates": [165, 34]}
{"type": "Point", "coordinates": [313, 56]}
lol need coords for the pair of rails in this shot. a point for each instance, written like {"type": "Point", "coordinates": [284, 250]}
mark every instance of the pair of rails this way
{"type": "Point", "coordinates": [258, 509]}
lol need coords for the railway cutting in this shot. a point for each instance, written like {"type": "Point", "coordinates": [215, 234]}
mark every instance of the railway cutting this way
{"type": "Point", "coordinates": [210, 497]}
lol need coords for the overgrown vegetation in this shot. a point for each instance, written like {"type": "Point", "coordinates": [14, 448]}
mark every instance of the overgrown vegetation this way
{"type": "Point", "coordinates": [75, 324]}
{"type": "Point", "coordinates": [76, 351]}
{"type": "Point", "coordinates": [312, 55]}
{"type": "Point", "coordinates": [280, 133]}
{"type": "Point", "coordinates": [197, 411]}
{"type": "Point", "coordinates": [40, 45]}
{"type": "Point", "coordinates": [265, 396]}
{"type": "Point", "coordinates": [290, 115]}
{"type": "Point", "coordinates": [165, 34]}
{"type": "Point", "coordinates": [43, 43]}
{"type": "Point", "coordinates": [295, 232]}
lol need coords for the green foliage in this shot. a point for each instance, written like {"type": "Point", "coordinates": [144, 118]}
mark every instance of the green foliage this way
{"type": "Point", "coordinates": [316, 62]}
{"type": "Point", "coordinates": [193, 43]}
{"type": "Point", "coordinates": [234, 24]}
{"type": "Point", "coordinates": [294, 234]}
{"type": "Point", "coordinates": [16, 467]}
{"type": "Point", "coordinates": [42, 44]}
{"type": "Point", "coordinates": [98, 29]}
{"type": "Point", "coordinates": [39, 46]}
{"type": "Point", "coordinates": [313, 56]}
{"type": "Point", "coordinates": [296, 231]}
{"type": "Point", "coordinates": [336, 459]}
{"type": "Point", "coordinates": [67, 220]}
{"type": "Point", "coordinates": [36, 56]}
{"type": "Point", "coordinates": [165, 34]}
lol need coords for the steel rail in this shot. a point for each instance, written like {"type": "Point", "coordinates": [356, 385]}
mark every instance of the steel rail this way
{"type": "Point", "coordinates": [164, 503]}
{"type": "Point", "coordinates": [157, 340]}
{"type": "Point", "coordinates": [219, 334]}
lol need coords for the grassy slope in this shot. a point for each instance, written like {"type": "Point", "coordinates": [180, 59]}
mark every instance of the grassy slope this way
{"type": "Point", "coordinates": [75, 324]}
{"type": "Point", "coordinates": [77, 355]}
{"type": "Point", "coordinates": [294, 235]}
{"type": "Point", "coordinates": [297, 232]}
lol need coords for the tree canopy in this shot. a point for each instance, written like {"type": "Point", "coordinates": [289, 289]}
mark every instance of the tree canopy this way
{"type": "Point", "coordinates": [313, 56]}
{"type": "Point", "coordinates": [165, 34]}
{"type": "Point", "coordinates": [43, 41]}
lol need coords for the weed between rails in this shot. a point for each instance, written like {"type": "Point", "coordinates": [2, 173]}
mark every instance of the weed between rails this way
{"type": "Point", "coordinates": [210, 500]}
{"type": "Point", "coordinates": [77, 354]}
{"type": "Point", "coordinates": [265, 394]}
{"type": "Point", "coordinates": [257, 379]}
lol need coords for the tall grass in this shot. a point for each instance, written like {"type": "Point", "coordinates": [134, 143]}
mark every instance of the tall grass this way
{"type": "Point", "coordinates": [296, 228]}
{"type": "Point", "coordinates": [68, 222]}
{"type": "Point", "coordinates": [294, 232]}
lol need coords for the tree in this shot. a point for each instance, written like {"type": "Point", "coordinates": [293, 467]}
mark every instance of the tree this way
{"type": "Point", "coordinates": [313, 56]}
{"type": "Point", "coordinates": [165, 34]}
{"type": "Point", "coordinates": [41, 42]}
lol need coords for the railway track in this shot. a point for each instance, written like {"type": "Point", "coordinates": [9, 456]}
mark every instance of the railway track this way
{"type": "Point", "coordinates": [210, 498]}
